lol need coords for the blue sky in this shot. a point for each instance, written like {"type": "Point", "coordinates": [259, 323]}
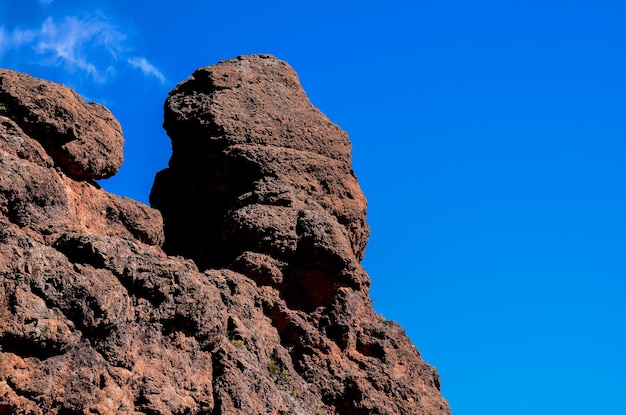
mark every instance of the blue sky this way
{"type": "Point", "coordinates": [488, 136]}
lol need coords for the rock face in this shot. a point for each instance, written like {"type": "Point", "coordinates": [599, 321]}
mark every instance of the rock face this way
{"type": "Point", "coordinates": [256, 303]}
{"type": "Point", "coordinates": [84, 138]}
{"type": "Point", "coordinates": [261, 179]}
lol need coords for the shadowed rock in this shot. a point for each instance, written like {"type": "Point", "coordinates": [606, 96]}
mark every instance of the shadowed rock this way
{"type": "Point", "coordinates": [257, 168]}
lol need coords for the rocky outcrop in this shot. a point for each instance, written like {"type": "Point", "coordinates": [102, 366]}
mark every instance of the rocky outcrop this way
{"type": "Point", "coordinates": [261, 179]}
{"type": "Point", "coordinates": [84, 138]}
{"type": "Point", "coordinates": [255, 304]}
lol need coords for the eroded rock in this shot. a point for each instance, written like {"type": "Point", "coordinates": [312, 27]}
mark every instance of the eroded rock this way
{"type": "Point", "coordinates": [261, 182]}
{"type": "Point", "coordinates": [84, 137]}
{"type": "Point", "coordinates": [257, 304]}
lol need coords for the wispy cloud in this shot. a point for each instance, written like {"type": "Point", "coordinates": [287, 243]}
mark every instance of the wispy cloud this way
{"type": "Point", "coordinates": [92, 45]}
{"type": "Point", "coordinates": [3, 40]}
{"type": "Point", "coordinates": [146, 67]}
{"type": "Point", "coordinates": [45, 2]}
{"type": "Point", "coordinates": [14, 39]}
{"type": "Point", "coordinates": [73, 42]}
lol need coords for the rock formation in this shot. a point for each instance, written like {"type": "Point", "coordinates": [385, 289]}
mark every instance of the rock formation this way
{"type": "Point", "coordinates": [247, 297]}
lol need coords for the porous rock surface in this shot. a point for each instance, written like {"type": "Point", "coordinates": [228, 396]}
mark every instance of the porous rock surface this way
{"type": "Point", "coordinates": [256, 303]}
{"type": "Point", "coordinates": [84, 138]}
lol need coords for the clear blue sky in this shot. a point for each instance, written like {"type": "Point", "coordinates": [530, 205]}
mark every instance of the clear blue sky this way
{"type": "Point", "coordinates": [488, 136]}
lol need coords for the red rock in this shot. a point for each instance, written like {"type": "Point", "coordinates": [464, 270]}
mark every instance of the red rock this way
{"type": "Point", "coordinates": [243, 132]}
{"type": "Point", "coordinates": [85, 138]}
{"type": "Point", "coordinates": [261, 182]}
{"type": "Point", "coordinates": [270, 311]}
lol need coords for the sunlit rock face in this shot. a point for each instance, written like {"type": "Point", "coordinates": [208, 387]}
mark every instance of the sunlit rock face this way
{"type": "Point", "coordinates": [256, 303]}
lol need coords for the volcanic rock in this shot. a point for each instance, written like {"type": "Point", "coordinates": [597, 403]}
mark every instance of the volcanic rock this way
{"type": "Point", "coordinates": [85, 139]}
{"type": "Point", "coordinates": [257, 302]}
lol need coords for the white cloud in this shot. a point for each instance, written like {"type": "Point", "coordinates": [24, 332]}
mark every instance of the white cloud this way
{"type": "Point", "coordinates": [14, 39]}
{"type": "Point", "coordinates": [45, 2]}
{"type": "Point", "coordinates": [69, 44]}
{"type": "Point", "coordinates": [21, 37]}
{"type": "Point", "coordinates": [92, 45]}
{"type": "Point", "coordinates": [146, 67]}
{"type": "Point", "coordinates": [3, 40]}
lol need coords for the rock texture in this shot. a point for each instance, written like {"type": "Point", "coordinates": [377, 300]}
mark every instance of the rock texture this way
{"type": "Point", "coordinates": [84, 138]}
{"type": "Point", "coordinates": [256, 303]}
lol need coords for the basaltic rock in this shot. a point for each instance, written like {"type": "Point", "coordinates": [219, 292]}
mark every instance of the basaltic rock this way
{"type": "Point", "coordinates": [252, 301]}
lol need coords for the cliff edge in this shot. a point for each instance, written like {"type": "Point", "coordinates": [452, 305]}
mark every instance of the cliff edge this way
{"type": "Point", "coordinates": [239, 291]}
